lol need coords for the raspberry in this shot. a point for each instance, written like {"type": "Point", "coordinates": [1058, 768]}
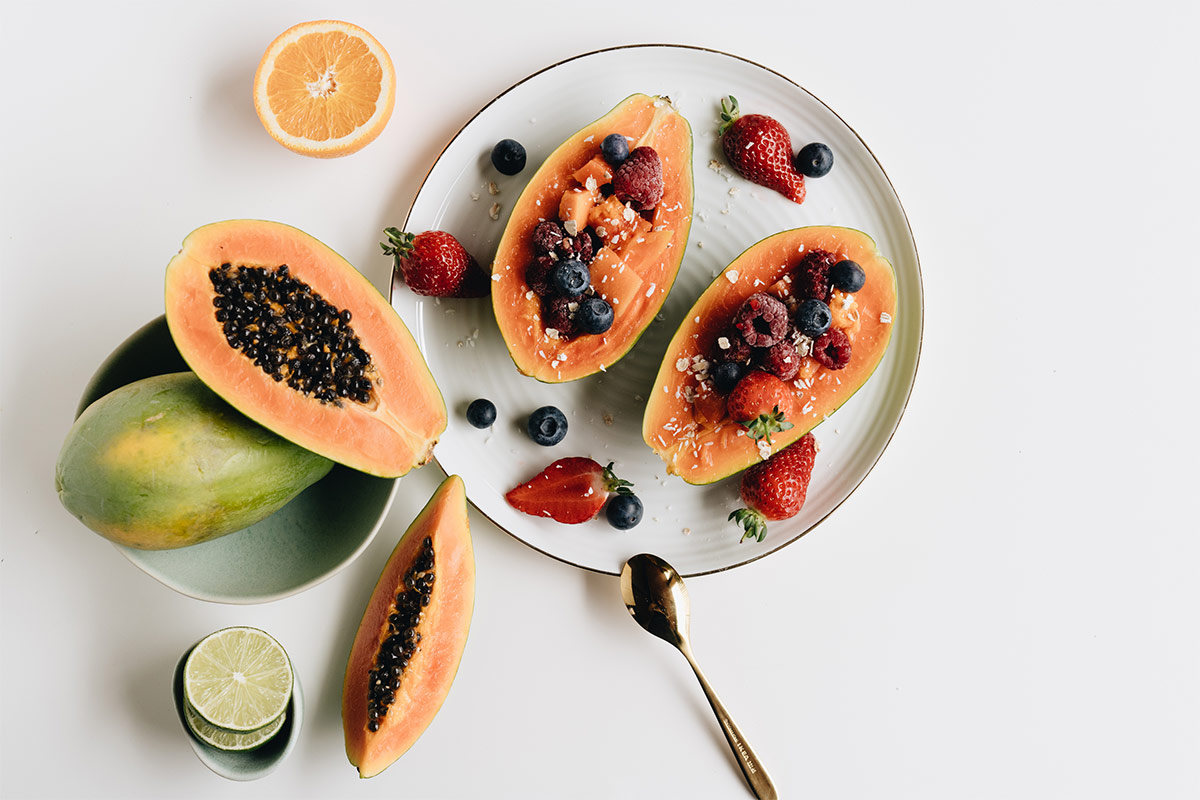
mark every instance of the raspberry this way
{"type": "Point", "coordinates": [546, 236]}
{"type": "Point", "coordinates": [557, 314]}
{"type": "Point", "coordinates": [781, 359]}
{"type": "Point", "coordinates": [811, 277]}
{"type": "Point", "coordinates": [762, 320]}
{"type": "Point", "coordinates": [639, 181]}
{"type": "Point", "coordinates": [577, 247]}
{"type": "Point", "coordinates": [832, 349]}
{"type": "Point", "coordinates": [738, 350]}
{"type": "Point", "coordinates": [537, 274]}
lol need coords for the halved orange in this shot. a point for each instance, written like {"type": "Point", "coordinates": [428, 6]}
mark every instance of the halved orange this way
{"type": "Point", "coordinates": [325, 88]}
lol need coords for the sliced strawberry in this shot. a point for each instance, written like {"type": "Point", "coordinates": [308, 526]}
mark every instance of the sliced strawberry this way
{"type": "Point", "coordinates": [760, 149]}
{"type": "Point", "coordinates": [571, 490]}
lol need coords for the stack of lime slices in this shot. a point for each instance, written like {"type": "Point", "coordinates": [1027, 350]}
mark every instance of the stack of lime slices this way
{"type": "Point", "coordinates": [237, 684]}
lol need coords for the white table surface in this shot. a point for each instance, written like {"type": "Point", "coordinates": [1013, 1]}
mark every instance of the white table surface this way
{"type": "Point", "coordinates": [1006, 608]}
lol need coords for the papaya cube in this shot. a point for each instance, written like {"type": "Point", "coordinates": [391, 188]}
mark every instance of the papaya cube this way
{"type": "Point", "coordinates": [636, 237]}
{"type": "Point", "coordinates": [644, 254]}
{"type": "Point", "coordinates": [598, 171]}
{"type": "Point", "coordinates": [613, 221]}
{"type": "Point", "coordinates": [613, 280]}
{"type": "Point", "coordinates": [845, 314]}
{"type": "Point", "coordinates": [781, 288]}
{"type": "Point", "coordinates": [575, 206]}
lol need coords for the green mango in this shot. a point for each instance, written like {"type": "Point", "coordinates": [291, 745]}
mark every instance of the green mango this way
{"type": "Point", "coordinates": [165, 463]}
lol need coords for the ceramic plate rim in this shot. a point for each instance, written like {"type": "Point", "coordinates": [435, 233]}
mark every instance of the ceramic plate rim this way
{"type": "Point", "coordinates": [899, 205]}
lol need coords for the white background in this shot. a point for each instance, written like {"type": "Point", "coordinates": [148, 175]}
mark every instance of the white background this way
{"type": "Point", "coordinates": [1007, 606]}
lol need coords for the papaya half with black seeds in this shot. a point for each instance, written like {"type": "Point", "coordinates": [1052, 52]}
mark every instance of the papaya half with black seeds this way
{"type": "Point", "coordinates": [412, 634]}
{"type": "Point", "coordinates": [294, 337]}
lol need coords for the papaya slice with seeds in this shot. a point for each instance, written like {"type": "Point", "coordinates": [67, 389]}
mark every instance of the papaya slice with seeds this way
{"type": "Point", "coordinates": [294, 337]}
{"type": "Point", "coordinates": [403, 661]}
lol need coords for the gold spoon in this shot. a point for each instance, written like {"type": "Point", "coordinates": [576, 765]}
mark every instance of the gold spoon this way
{"type": "Point", "coordinates": [656, 597]}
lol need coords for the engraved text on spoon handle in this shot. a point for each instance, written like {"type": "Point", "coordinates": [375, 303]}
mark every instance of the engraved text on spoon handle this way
{"type": "Point", "coordinates": [752, 768]}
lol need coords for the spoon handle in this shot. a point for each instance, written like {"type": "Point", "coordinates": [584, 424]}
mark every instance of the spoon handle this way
{"type": "Point", "coordinates": [747, 759]}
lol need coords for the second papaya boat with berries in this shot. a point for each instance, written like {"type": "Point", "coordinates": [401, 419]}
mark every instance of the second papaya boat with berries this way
{"type": "Point", "coordinates": [780, 340]}
{"type": "Point", "coordinates": [595, 241]}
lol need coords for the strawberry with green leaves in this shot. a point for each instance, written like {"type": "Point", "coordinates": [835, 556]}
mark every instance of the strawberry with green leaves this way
{"type": "Point", "coordinates": [760, 149]}
{"type": "Point", "coordinates": [776, 488]}
{"type": "Point", "coordinates": [761, 403]}
{"type": "Point", "coordinates": [435, 264]}
{"type": "Point", "coordinates": [571, 490]}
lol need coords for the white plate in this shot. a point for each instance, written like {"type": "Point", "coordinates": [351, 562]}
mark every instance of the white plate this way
{"type": "Point", "coordinates": [684, 524]}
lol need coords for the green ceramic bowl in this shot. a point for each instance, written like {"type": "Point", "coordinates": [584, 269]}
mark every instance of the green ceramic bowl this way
{"type": "Point", "coordinates": [302, 544]}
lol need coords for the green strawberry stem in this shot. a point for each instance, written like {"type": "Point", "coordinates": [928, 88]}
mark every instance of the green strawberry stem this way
{"type": "Point", "coordinates": [729, 113]}
{"type": "Point", "coordinates": [765, 424]}
{"type": "Point", "coordinates": [399, 245]}
{"type": "Point", "coordinates": [754, 523]}
{"type": "Point", "coordinates": [614, 484]}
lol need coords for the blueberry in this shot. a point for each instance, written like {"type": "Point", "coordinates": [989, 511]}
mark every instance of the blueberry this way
{"type": "Point", "coordinates": [570, 278]}
{"type": "Point", "coordinates": [481, 413]}
{"type": "Point", "coordinates": [624, 511]}
{"type": "Point", "coordinates": [615, 149]}
{"type": "Point", "coordinates": [594, 316]}
{"type": "Point", "coordinates": [726, 376]}
{"type": "Point", "coordinates": [814, 160]}
{"type": "Point", "coordinates": [847, 276]}
{"type": "Point", "coordinates": [813, 317]}
{"type": "Point", "coordinates": [508, 156]}
{"type": "Point", "coordinates": [547, 426]}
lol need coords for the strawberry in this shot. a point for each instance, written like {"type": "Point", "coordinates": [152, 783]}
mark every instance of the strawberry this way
{"type": "Point", "coordinates": [760, 403]}
{"type": "Point", "coordinates": [435, 264]}
{"type": "Point", "coordinates": [776, 488]}
{"type": "Point", "coordinates": [571, 490]}
{"type": "Point", "coordinates": [759, 148]}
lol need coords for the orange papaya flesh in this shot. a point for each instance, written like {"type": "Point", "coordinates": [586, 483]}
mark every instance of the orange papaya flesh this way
{"type": "Point", "coordinates": [440, 532]}
{"type": "Point", "coordinates": [647, 121]}
{"type": "Point", "coordinates": [597, 170]}
{"type": "Point", "coordinates": [614, 280]}
{"type": "Point", "coordinates": [681, 431]}
{"type": "Point", "coordinates": [614, 222]}
{"type": "Point", "coordinates": [391, 430]}
{"type": "Point", "coordinates": [575, 207]}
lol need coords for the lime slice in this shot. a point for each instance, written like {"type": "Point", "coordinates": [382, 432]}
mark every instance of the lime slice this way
{"type": "Point", "coordinates": [239, 679]}
{"type": "Point", "coordinates": [230, 740]}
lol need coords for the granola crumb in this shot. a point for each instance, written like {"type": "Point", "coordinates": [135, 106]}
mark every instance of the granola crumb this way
{"type": "Point", "coordinates": [494, 211]}
{"type": "Point", "coordinates": [493, 189]}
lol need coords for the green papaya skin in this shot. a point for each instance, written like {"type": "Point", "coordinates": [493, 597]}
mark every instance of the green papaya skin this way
{"type": "Point", "coordinates": [165, 463]}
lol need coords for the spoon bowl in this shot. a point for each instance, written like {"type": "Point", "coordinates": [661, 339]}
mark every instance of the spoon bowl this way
{"type": "Point", "coordinates": [655, 595]}
{"type": "Point", "coordinates": [244, 765]}
{"type": "Point", "coordinates": [657, 598]}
